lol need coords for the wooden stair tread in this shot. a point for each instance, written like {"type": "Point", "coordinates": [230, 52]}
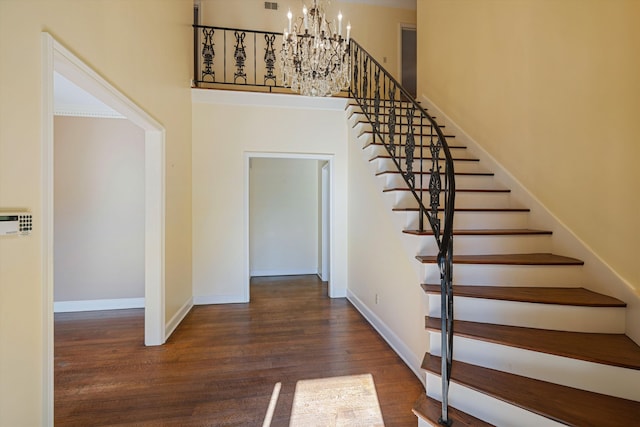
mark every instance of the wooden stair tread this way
{"type": "Point", "coordinates": [458, 190]}
{"type": "Point", "coordinates": [538, 295]}
{"type": "Point", "coordinates": [483, 232]}
{"type": "Point", "coordinates": [401, 133]}
{"type": "Point", "coordinates": [563, 404]}
{"type": "Point", "coordinates": [402, 144]}
{"type": "Point", "coordinates": [442, 173]}
{"type": "Point", "coordinates": [386, 122]}
{"type": "Point", "coordinates": [415, 209]}
{"type": "Point", "coordinates": [608, 349]}
{"type": "Point", "coordinates": [429, 409]}
{"type": "Point", "coordinates": [388, 156]}
{"type": "Point", "coordinates": [508, 259]}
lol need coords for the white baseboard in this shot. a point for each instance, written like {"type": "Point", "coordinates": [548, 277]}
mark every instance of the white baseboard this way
{"type": "Point", "coordinates": [219, 299]}
{"type": "Point", "coordinates": [413, 361]}
{"type": "Point", "coordinates": [294, 272]}
{"type": "Point", "coordinates": [173, 323]}
{"type": "Point", "coordinates": [97, 304]}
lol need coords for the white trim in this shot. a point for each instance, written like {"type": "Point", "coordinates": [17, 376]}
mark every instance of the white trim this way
{"type": "Point", "coordinates": [296, 272]}
{"type": "Point", "coordinates": [257, 99]}
{"type": "Point", "coordinates": [329, 158]}
{"type": "Point", "coordinates": [325, 208]}
{"type": "Point", "coordinates": [46, 118]}
{"type": "Point", "coordinates": [219, 299]}
{"type": "Point", "coordinates": [55, 57]}
{"type": "Point", "coordinates": [69, 110]}
{"type": "Point", "coordinates": [400, 4]}
{"type": "Point", "coordinates": [411, 360]}
{"type": "Point", "coordinates": [97, 304]}
{"type": "Point", "coordinates": [177, 318]}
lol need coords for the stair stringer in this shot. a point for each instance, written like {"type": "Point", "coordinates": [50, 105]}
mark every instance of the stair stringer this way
{"type": "Point", "coordinates": [599, 275]}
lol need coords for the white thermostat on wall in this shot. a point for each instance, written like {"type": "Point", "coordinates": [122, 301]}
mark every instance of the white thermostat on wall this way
{"type": "Point", "coordinates": [15, 223]}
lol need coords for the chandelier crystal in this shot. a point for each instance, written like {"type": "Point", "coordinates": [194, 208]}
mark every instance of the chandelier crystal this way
{"type": "Point", "coordinates": [315, 57]}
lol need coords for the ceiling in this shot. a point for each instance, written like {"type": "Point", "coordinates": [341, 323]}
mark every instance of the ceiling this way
{"type": "Point", "coordinates": [70, 100]}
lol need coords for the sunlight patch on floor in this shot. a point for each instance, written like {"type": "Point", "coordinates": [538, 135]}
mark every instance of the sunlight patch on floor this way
{"type": "Point", "coordinates": [339, 401]}
{"type": "Point", "coordinates": [272, 405]}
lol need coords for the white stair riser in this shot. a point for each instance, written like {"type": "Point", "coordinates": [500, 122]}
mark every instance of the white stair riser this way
{"type": "Point", "coordinates": [386, 164]}
{"type": "Point", "coordinates": [483, 182]}
{"type": "Point", "coordinates": [509, 275]}
{"type": "Point", "coordinates": [474, 245]}
{"type": "Point", "coordinates": [372, 150]}
{"type": "Point", "coordinates": [464, 200]}
{"type": "Point", "coordinates": [476, 220]}
{"type": "Point", "coordinates": [485, 407]}
{"type": "Point", "coordinates": [580, 374]}
{"type": "Point", "coordinates": [557, 317]}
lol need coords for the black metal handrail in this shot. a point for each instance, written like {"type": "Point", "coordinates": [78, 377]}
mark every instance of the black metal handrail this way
{"type": "Point", "coordinates": [402, 126]}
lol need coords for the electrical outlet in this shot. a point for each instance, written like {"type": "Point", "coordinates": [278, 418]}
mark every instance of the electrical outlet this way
{"type": "Point", "coordinates": [377, 298]}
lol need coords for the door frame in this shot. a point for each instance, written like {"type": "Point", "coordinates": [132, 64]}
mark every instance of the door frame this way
{"type": "Point", "coordinates": [56, 57]}
{"type": "Point", "coordinates": [329, 158]}
{"type": "Point", "coordinates": [401, 27]}
{"type": "Point", "coordinates": [325, 212]}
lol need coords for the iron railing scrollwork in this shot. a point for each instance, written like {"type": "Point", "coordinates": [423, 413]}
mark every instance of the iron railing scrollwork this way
{"type": "Point", "coordinates": [417, 148]}
{"type": "Point", "coordinates": [231, 56]}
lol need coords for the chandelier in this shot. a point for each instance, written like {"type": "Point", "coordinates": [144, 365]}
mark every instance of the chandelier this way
{"type": "Point", "coordinates": [315, 57]}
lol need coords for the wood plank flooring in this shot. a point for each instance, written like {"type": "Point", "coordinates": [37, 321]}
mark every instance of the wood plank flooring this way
{"type": "Point", "coordinates": [220, 366]}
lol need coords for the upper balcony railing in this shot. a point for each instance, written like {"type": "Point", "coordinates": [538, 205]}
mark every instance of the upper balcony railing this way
{"type": "Point", "coordinates": [249, 60]}
{"type": "Point", "coordinates": [244, 59]}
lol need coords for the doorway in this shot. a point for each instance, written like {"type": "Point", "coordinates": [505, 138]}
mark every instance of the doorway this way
{"type": "Point", "coordinates": [288, 215]}
{"type": "Point", "coordinates": [408, 60]}
{"type": "Point", "coordinates": [57, 58]}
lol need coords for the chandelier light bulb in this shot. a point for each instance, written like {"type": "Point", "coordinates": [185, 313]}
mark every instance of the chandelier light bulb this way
{"type": "Point", "coordinates": [315, 59]}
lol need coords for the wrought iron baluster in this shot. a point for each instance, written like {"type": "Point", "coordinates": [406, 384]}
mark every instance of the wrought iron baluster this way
{"type": "Point", "coordinates": [355, 72]}
{"type": "Point", "coordinates": [208, 55]}
{"type": "Point", "coordinates": [365, 84]}
{"type": "Point", "coordinates": [376, 101]}
{"type": "Point", "coordinates": [240, 56]}
{"type": "Point", "coordinates": [435, 186]}
{"type": "Point", "coordinates": [270, 58]}
{"type": "Point", "coordinates": [410, 146]}
{"type": "Point", "coordinates": [392, 121]}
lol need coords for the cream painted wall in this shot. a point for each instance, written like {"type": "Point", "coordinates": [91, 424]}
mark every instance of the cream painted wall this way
{"type": "Point", "coordinates": [551, 90]}
{"type": "Point", "coordinates": [375, 27]}
{"type": "Point", "coordinates": [379, 264]}
{"type": "Point", "coordinates": [98, 209]}
{"type": "Point", "coordinates": [144, 49]}
{"type": "Point", "coordinates": [283, 216]}
{"type": "Point", "coordinates": [226, 129]}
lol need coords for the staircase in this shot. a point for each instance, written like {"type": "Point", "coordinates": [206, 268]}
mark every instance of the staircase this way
{"type": "Point", "coordinates": [531, 346]}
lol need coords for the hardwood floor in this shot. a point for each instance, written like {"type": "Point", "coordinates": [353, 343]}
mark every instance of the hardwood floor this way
{"type": "Point", "coordinates": [220, 366]}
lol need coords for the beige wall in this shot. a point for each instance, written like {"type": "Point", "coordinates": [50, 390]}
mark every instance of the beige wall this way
{"type": "Point", "coordinates": [227, 127]}
{"type": "Point", "coordinates": [376, 28]}
{"type": "Point", "coordinates": [550, 88]}
{"type": "Point", "coordinates": [142, 47]}
{"type": "Point", "coordinates": [98, 209]}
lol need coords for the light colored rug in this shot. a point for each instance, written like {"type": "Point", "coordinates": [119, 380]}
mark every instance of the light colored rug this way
{"type": "Point", "coordinates": [336, 402]}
